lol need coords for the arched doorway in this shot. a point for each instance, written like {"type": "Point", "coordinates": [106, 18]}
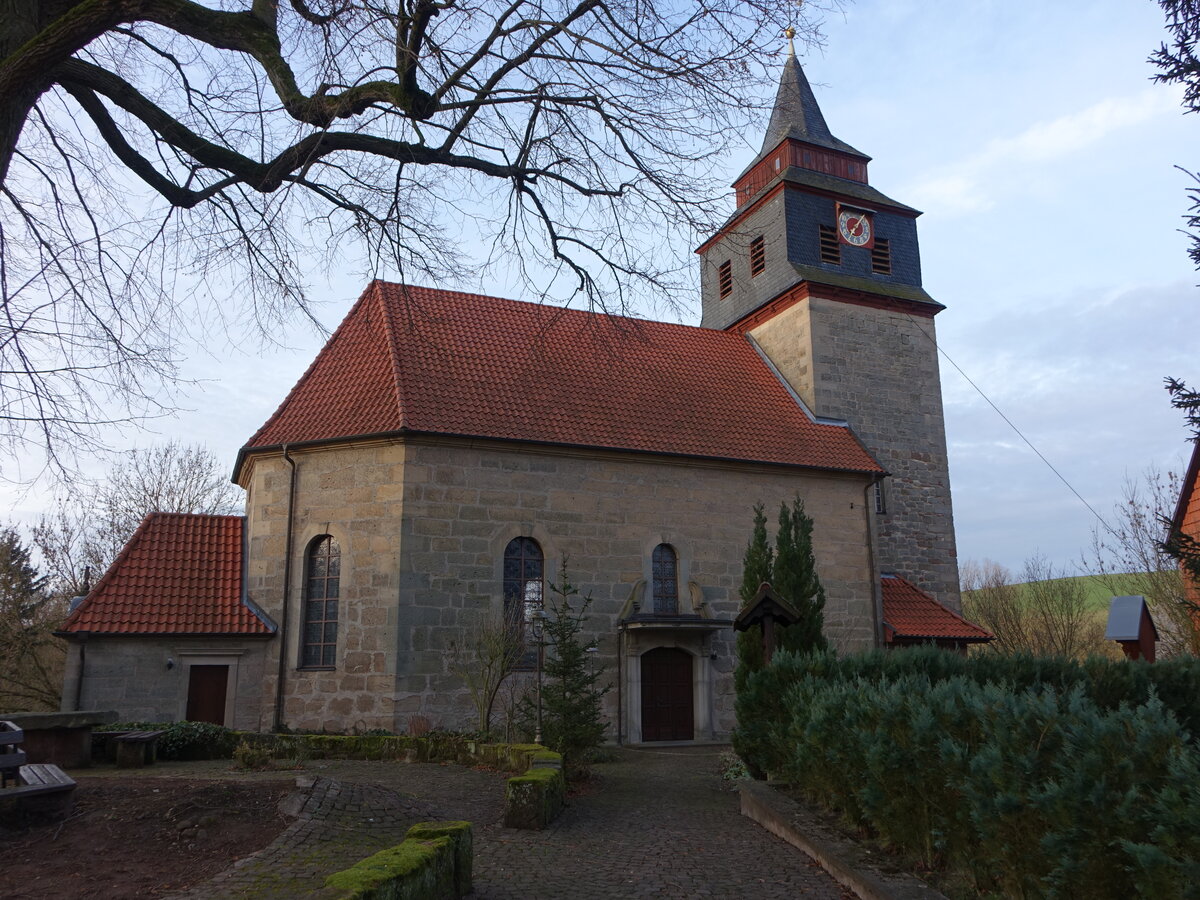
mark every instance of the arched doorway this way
{"type": "Point", "coordinates": [667, 695]}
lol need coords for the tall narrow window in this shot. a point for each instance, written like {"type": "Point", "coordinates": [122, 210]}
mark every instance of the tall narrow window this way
{"type": "Point", "coordinates": [523, 571]}
{"type": "Point", "coordinates": [881, 257]}
{"type": "Point", "coordinates": [758, 256]}
{"type": "Point", "coordinates": [323, 571]}
{"type": "Point", "coordinates": [666, 581]}
{"type": "Point", "coordinates": [725, 278]}
{"type": "Point", "coordinates": [831, 250]}
{"type": "Point", "coordinates": [880, 500]}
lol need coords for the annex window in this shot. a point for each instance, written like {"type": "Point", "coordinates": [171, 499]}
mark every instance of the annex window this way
{"type": "Point", "coordinates": [665, 575]}
{"type": "Point", "coordinates": [881, 257]}
{"type": "Point", "coordinates": [523, 571]}
{"type": "Point", "coordinates": [725, 278]}
{"type": "Point", "coordinates": [322, 587]}
{"type": "Point", "coordinates": [758, 256]}
{"type": "Point", "coordinates": [831, 250]}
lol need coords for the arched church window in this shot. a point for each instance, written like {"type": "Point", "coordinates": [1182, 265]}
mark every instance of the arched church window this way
{"type": "Point", "coordinates": [666, 580]}
{"type": "Point", "coordinates": [523, 580]}
{"type": "Point", "coordinates": [322, 587]}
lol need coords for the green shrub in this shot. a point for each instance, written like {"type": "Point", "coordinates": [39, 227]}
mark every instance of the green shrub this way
{"type": "Point", "coordinates": [1031, 791]}
{"type": "Point", "coordinates": [185, 740]}
{"type": "Point", "coordinates": [251, 756]}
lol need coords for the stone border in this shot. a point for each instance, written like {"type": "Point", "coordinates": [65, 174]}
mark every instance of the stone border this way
{"type": "Point", "coordinates": [843, 859]}
{"type": "Point", "coordinates": [532, 800]}
{"type": "Point", "coordinates": [433, 862]}
{"type": "Point", "coordinates": [535, 799]}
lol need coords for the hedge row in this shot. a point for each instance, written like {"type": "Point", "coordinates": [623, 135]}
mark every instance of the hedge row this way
{"type": "Point", "coordinates": [1106, 682]}
{"type": "Point", "coordinates": [1037, 793]}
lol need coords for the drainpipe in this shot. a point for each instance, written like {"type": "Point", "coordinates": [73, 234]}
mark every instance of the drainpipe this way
{"type": "Point", "coordinates": [620, 686]}
{"type": "Point", "coordinates": [876, 584]}
{"type": "Point", "coordinates": [79, 678]}
{"type": "Point", "coordinates": [287, 591]}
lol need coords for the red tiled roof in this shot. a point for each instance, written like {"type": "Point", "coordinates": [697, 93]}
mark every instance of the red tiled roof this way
{"type": "Point", "coordinates": [911, 613]}
{"type": "Point", "coordinates": [179, 574]}
{"type": "Point", "coordinates": [441, 362]}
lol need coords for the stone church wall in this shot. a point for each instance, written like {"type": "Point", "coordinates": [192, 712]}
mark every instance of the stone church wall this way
{"type": "Point", "coordinates": [424, 525]}
{"type": "Point", "coordinates": [878, 370]}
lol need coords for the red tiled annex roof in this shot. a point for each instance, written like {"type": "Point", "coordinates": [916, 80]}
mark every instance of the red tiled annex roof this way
{"type": "Point", "coordinates": [179, 574]}
{"type": "Point", "coordinates": [418, 360]}
{"type": "Point", "coordinates": [909, 612]}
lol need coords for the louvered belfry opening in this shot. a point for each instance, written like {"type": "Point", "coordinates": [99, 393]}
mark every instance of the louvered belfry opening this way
{"type": "Point", "coordinates": [881, 257]}
{"type": "Point", "coordinates": [758, 256]}
{"type": "Point", "coordinates": [831, 250]}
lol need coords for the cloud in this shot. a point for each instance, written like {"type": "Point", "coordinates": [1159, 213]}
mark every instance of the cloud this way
{"type": "Point", "coordinates": [969, 185]}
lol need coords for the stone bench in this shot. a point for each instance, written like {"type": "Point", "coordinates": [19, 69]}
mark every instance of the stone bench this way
{"type": "Point", "coordinates": [136, 748]}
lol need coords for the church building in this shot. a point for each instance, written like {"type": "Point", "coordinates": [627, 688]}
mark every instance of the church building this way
{"type": "Point", "coordinates": [447, 455]}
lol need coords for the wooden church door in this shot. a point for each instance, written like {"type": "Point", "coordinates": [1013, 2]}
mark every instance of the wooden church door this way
{"type": "Point", "coordinates": [667, 695]}
{"type": "Point", "coordinates": [207, 686]}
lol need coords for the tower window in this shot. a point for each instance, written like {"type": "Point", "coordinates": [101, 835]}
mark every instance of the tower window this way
{"type": "Point", "coordinates": [881, 257]}
{"type": "Point", "coordinates": [831, 251]}
{"type": "Point", "coordinates": [725, 279]}
{"type": "Point", "coordinates": [758, 256]}
{"type": "Point", "coordinates": [880, 500]}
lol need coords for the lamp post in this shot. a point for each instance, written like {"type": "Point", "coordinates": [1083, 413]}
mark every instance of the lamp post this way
{"type": "Point", "coordinates": [537, 624]}
{"type": "Point", "coordinates": [591, 658]}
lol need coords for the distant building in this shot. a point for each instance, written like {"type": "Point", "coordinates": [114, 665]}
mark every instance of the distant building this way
{"type": "Point", "coordinates": [447, 453]}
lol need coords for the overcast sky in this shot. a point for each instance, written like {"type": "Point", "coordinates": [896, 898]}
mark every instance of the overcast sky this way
{"type": "Point", "coordinates": [1044, 160]}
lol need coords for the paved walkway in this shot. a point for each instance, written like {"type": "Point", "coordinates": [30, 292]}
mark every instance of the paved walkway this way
{"type": "Point", "coordinates": [657, 823]}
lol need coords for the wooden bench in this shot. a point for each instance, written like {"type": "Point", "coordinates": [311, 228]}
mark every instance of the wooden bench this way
{"type": "Point", "coordinates": [43, 792]}
{"type": "Point", "coordinates": [137, 748]}
{"type": "Point", "coordinates": [12, 757]}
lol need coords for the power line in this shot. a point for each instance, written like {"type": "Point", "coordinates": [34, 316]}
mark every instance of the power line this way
{"type": "Point", "coordinates": [1009, 422]}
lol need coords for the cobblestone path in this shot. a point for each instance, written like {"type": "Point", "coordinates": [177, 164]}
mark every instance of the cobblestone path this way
{"type": "Point", "coordinates": [657, 823]}
{"type": "Point", "coordinates": [660, 824]}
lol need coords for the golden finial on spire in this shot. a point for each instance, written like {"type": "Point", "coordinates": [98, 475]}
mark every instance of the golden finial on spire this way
{"type": "Point", "coordinates": [790, 34]}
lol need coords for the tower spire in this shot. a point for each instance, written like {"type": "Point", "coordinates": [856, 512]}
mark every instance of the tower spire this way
{"type": "Point", "coordinates": [796, 113]}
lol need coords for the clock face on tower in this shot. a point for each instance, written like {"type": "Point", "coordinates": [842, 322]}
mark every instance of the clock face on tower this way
{"type": "Point", "coordinates": [854, 227]}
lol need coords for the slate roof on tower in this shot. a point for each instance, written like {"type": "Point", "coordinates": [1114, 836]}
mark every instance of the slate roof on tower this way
{"type": "Point", "coordinates": [411, 360]}
{"type": "Point", "coordinates": [178, 574]}
{"type": "Point", "coordinates": [797, 115]}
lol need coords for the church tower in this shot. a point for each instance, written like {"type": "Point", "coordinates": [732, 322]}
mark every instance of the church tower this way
{"type": "Point", "coordinates": [823, 273]}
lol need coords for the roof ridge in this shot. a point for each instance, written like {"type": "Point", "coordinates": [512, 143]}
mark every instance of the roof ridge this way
{"type": "Point", "coordinates": [279, 410]}
{"type": "Point", "coordinates": [109, 574]}
{"type": "Point", "coordinates": [393, 349]}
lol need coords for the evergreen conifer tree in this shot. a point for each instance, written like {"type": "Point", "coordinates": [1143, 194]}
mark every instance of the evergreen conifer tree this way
{"type": "Point", "coordinates": [794, 578]}
{"type": "Point", "coordinates": [572, 722]}
{"type": "Point", "coordinates": [792, 573]}
{"type": "Point", "coordinates": [756, 568]}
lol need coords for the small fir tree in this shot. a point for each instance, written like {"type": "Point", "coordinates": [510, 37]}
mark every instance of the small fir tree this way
{"type": "Point", "coordinates": [572, 721]}
{"type": "Point", "coordinates": [792, 573]}
{"type": "Point", "coordinates": [756, 568]}
{"type": "Point", "coordinates": [794, 578]}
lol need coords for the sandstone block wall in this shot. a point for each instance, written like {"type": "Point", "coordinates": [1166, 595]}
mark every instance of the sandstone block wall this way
{"type": "Point", "coordinates": [355, 494]}
{"type": "Point", "coordinates": [878, 370]}
{"type": "Point", "coordinates": [423, 528]}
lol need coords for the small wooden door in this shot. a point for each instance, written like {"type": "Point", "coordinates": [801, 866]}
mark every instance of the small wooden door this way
{"type": "Point", "coordinates": [667, 695]}
{"type": "Point", "coordinates": [206, 694]}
